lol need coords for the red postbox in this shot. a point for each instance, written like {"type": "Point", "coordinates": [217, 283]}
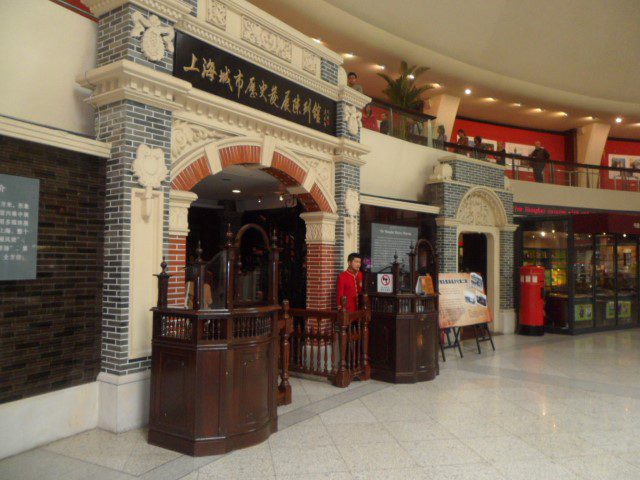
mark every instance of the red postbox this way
{"type": "Point", "coordinates": [531, 300]}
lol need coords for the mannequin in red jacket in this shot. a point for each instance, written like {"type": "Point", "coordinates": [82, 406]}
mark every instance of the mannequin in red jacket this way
{"type": "Point", "coordinates": [350, 283]}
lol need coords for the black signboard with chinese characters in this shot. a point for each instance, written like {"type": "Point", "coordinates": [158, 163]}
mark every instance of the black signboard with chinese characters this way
{"type": "Point", "coordinates": [215, 71]}
{"type": "Point", "coordinates": [18, 227]}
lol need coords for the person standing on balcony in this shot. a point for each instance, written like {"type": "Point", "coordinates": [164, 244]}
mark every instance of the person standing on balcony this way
{"type": "Point", "coordinates": [501, 153]}
{"type": "Point", "coordinates": [540, 155]}
{"type": "Point", "coordinates": [384, 123]}
{"type": "Point", "coordinates": [350, 283]}
{"type": "Point", "coordinates": [463, 141]}
{"type": "Point", "coordinates": [369, 120]}
{"type": "Point", "coordinates": [352, 81]}
{"type": "Point", "coordinates": [477, 144]}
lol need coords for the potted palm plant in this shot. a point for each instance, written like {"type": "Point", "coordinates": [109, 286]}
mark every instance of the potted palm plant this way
{"type": "Point", "coordinates": [403, 92]}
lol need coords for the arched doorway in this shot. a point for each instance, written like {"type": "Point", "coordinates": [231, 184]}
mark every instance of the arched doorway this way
{"type": "Point", "coordinates": [271, 170]}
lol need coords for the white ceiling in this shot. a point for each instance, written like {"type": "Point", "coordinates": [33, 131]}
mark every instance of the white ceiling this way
{"type": "Point", "coordinates": [251, 182]}
{"type": "Point", "coordinates": [581, 57]}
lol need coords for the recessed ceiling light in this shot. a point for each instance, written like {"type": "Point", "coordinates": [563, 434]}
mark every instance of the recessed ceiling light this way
{"type": "Point", "coordinates": [537, 110]}
{"type": "Point", "coordinates": [349, 55]}
{"type": "Point", "coordinates": [563, 114]}
{"type": "Point", "coordinates": [516, 104]}
{"type": "Point", "coordinates": [491, 99]}
{"type": "Point", "coordinates": [436, 85]}
{"type": "Point", "coordinates": [618, 119]}
{"type": "Point", "coordinates": [317, 40]}
{"type": "Point", "coordinates": [381, 67]}
{"type": "Point", "coordinates": [410, 76]}
{"type": "Point", "coordinates": [467, 91]}
{"type": "Point", "coordinates": [235, 190]}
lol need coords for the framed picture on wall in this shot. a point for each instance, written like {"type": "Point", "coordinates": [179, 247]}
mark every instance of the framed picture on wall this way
{"type": "Point", "coordinates": [520, 149]}
{"type": "Point", "coordinates": [624, 161]}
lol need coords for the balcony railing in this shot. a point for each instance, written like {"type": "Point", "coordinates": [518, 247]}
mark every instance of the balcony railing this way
{"type": "Point", "coordinates": [398, 122]}
{"type": "Point", "coordinates": [520, 167]}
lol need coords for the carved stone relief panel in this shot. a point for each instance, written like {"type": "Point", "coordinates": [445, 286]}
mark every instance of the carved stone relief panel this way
{"type": "Point", "coordinates": [265, 39]}
{"type": "Point", "coordinates": [217, 14]}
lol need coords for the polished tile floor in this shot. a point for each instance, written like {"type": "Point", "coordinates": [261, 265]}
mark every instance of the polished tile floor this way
{"type": "Point", "coordinates": [537, 408]}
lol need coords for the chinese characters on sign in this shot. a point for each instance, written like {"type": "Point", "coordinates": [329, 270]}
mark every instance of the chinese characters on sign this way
{"type": "Point", "coordinates": [216, 71]}
{"type": "Point", "coordinates": [18, 227]}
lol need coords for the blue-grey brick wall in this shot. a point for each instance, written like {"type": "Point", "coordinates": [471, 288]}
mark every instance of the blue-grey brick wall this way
{"type": "Point", "coordinates": [471, 172]}
{"type": "Point", "coordinates": [506, 269]}
{"type": "Point", "coordinates": [329, 71]}
{"type": "Point", "coordinates": [447, 244]}
{"type": "Point", "coordinates": [116, 43]}
{"type": "Point", "coordinates": [346, 176]}
{"type": "Point", "coordinates": [341, 126]}
{"type": "Point", "coordinates": [126, 124]}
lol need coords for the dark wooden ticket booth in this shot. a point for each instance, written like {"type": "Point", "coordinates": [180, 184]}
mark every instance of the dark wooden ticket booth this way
{"type": "Point", "coordinates": [404, 327]}
{"type": "Point", "coordinates": [215, 365]}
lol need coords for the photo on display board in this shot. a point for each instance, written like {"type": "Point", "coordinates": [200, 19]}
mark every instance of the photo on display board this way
{"type": "Point", "coordinates": [624, 161]}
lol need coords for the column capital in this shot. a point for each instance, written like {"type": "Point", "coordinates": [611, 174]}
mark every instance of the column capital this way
{"type": "Point", "coordinates": [509, 227]}
{"type": "Point", "coordinates": [321, 227]}
{"type": "Point", "coordinates": [179, 202]}
{"type": "Point", "coordinates": [447, 222]}
{"type": "Point", "coordinates": [170, 9]}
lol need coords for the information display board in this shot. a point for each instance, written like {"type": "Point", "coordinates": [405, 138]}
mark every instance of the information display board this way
{"type": "Point", "coordinates": [462, 300]}
{"type": "Point", "coordinates": [18, 227]}
{"type": "Point", "coordinates": [387, 240]}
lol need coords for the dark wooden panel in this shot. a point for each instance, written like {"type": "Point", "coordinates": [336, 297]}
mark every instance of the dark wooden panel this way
{"type": "Point", "coordinates": [172, 407]}
{"type": "Point", "coordinates": [210, 370]}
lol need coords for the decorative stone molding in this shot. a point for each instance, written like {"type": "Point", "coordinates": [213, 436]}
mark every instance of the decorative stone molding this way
{"type": "Point", "coordinates": [262, 37]}
{"type": "Point", "coordinates": [398, 204]}
{"type": "Point", "coordinates": [463, 158]}
{"type": "Point", "coordinates": [150, 169]}
{"type": "Point", "coordinates": [179, 203]}
{"type": "Point", "coordinates": [481, 206]}
{"type": "Point", "coordinates": [217, 14]}
{"type": "Point", "coordinates": [348, 151]}
{"type": "Point", "coordinates": [508, 186]}
{"type": "Point", "coordinates": [447, 222]}
{"type": "Point", "coordinates": [321, 227]}
{"type": "Point", "coordinates": [323, 172]}
{"type": "Point", "coordinates": [352, 119]}
{"type": "Point", "coordinates": [156, 38]}
{"type": "Point", "coordinates": [509, 227]}
{"type": "Point", "coordinates": [353, 97]}
{"type": "Point", "coordinates": [442, 171]}
{"type": "Point", "coordinates": [170, 9]}
{"type": "Point", "coordinates": [126, 80]}
{"type": "Point", "coordinates": [310, 62]}
{"type": "Point", "coordinates": [352, 202]}
{"type": "Point", "coordinates": [149, 166]}
{"type": "Point", "coordinates": [185, 135]}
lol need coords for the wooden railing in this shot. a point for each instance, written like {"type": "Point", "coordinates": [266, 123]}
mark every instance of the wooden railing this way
{"type": "Point", "coordinates": [328, 343]}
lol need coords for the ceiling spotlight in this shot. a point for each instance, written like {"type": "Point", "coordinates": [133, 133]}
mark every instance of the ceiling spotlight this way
{"type": "Point", "coordinates": [411, 76]}
{"type": "Point", "coordinates": [491, 99]}
{"type": "Point", "coordinates": [516, 104]}
{"type": "Point", "coordinates": [281, 197]}
{"type": "Point", "coordinates": [259, 198]}
{"type": "Point", "coordinates": [537, 110]}
{"type": "Point", "coordinates": [349, 55]}
{"type": "Point", "coordinates": [543, 233]}
{"type": "Point", "coordinates": [381, 67]}
{"type": "Point", "coordinates": [618, 119]}
{"type": "Point", "coordinates": [235, 190]}
{"type": "Point", "coordinates": [436, 85]}
{"type": "Point", "coordinates": [563, 114]}
{"type": "Point", "coordinates": [467, 91]}
{"type": "Point", "coordinates": [624, 235]}
{"type": "Point", "coordinates": [317, 40]}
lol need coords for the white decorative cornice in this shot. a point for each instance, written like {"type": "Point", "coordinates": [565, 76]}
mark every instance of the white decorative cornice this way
{"type": "Point", "coordinates": [442, 171]}
{"type": "Point", "coordinates": [11, 127]}
{"type": "Point", "coordinates": [398, 204]}
{"type": "Point", "coordinates": [475, 161]}
{"type": "Point", "coordinates": [263, 38]}
{"type": "Point", "coordinates": [226, 41]}
{"type": "Point", "coordinates": [217, 14]}
{"type": "Point", "coordinates": [156, 37]}
{"type": "Point", "coordinates": [509, 227]}
{"type": "Point", "coordinates": [179, 203]}
{"type": "Point", "coordinates": [170, 9]}
{"type": "Point", "coordinates": [310, 62]}
{"type": "Point", "coordinates": [432, 181]}
{"type": "Point", "coordinates": [351, 152]}
{"type": "Point", "coordinates": [321, 227]}
{"type": "Point", "coordinates": [352, 96]}
{"type": "Point", "coordinates": [125, 80]}
{"type": "Point", "coordinates": [244, 8]}
{"type": "Point", "coordinates": [447, 222]}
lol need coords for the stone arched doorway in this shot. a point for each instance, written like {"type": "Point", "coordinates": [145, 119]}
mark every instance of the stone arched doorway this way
{"type": "Point", "coordinates": [291, 171]}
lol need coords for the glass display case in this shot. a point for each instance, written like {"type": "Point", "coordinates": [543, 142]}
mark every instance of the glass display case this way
{"type": "Point", "coordinates": [591, 270]}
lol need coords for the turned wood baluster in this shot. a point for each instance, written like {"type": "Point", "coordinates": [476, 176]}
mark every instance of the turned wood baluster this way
{"type": "Point", "coordinates": [395, 271]}
{"type": "Point", "coordinates": [199, 280]}
{"type": "Point", "coordinates": [365, 336]}
{"type": "Point", "coordinates": [163, 285]}
{"type": "Point", "coordinates": [285, 387]}
{"type": "Point", "coordinates": [343, 378]}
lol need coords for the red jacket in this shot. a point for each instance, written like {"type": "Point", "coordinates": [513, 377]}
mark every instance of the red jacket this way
{"type": "Point", "coordinates": [349, 286]}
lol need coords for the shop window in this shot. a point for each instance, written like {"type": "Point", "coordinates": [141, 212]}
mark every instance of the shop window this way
{"type": "Point", "coordinates": [605, 281]}
{"type": "Point", "coordinates": [583, 307]}
{"type": "Point", "coordinates": [627, 270]}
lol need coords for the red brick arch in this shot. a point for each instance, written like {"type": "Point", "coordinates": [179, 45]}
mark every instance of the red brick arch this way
{"type": "Point", "coordinates": [284, 168]}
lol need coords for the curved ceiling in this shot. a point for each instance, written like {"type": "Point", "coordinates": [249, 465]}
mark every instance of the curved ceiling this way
{"type": "Point", "coordinates": [581, 57]}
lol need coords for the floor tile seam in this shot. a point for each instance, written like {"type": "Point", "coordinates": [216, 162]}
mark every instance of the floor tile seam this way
{"type": "Point", "coordinates": [81, 461]}
{"type": "Point", "coordinates": [554, 380]}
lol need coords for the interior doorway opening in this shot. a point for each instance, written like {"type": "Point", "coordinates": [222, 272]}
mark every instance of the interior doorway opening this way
{"type": "Point", "coordinates": [239, 195]}
{"type": "Point", "coordinates": [472, 255]}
